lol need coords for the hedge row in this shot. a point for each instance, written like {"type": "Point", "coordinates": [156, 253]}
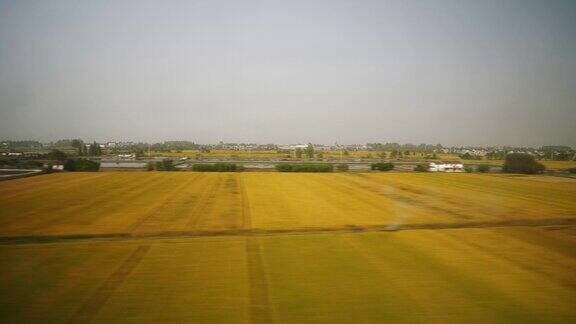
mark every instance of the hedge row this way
{"type": "Point", "coordinates": [307, 167]}
{"type": "Point", "coordinates": [218, 167]}
{"type": "Point", "coordinates": [81, 165]}
{"type": "Point", "coordinates": [164, 165]}
{"type": "Point", "coordinates": [522, 163]}
{"type": "Point", "coordinates": [382, 166]}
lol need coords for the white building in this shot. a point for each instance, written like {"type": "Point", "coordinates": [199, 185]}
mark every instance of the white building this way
{"type": "Point", "coordinates": [446, 167]}
{"type": "Point", "coordinates": [131, 156]}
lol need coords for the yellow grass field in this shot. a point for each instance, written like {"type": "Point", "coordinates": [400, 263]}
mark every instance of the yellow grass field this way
{"type": "Point", "coordinates": [139, 203]}
{"type": "Point", "coordinates": [287, 247]}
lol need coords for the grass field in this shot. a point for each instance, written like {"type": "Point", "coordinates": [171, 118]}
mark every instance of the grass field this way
{"type": "Point", "coordinates": [278, 247]}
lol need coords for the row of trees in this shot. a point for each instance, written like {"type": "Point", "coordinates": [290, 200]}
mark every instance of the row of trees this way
{"type": "Point", "coordinates": [93, 150]}
{"type": "Point", "coordinates": [81, 165]}
{"type": "Point", "coordinates": [308, 151]}
{"type": "Point", "coordinates": [305, 167]}
{"type": "Point", "coordinates": [218, 167]}
{"type": "Point", "coordinates": [382, 166]}
{"type": "Point", "coordinates": [164, 165]}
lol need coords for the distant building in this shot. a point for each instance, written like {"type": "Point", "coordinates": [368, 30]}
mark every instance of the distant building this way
{"type": "Point", "coordinates": [57, 167]}
{"type": "Point", "coordinates": [131, 156]}
{"type": "Point", "coordinates": [293, 146]}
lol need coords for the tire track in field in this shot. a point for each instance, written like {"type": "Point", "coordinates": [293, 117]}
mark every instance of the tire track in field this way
{"type": "Point", "coordinates": [202, 204]}
{"type": "Point", "coordinates": [261, 310]}
{"type": "Point", "coordinates": [173, 207]}
{"type": "Point", "coordinates": [139, 222]}
{"type": "Point", "coordinates": [255, 232]}
{"type": "Point", "coordinates": [246, 210]}
{"type": "Point", "coordinates": [92, 306]}
{"type": "Point", "coordinates": [128, 191]}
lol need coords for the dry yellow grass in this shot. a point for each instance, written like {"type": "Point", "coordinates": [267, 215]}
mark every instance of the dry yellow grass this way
{"type": "Point", "coordinates": [269, 268]}
{"type": "Point", "coordinates": [141, 203]}
{"type": "Point", "coordinates": [454, 275]}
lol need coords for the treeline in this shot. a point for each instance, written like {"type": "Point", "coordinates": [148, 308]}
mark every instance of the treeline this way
{"type": "Point", "coordinates": [81, 165]}
{"type": "Point", "coordinates": [305, 167]}
{"type": "Point", "coordinates": [403, 147]}
{"type": "Point", "coordinates": [20, 163]}
{"type": "Point", "coordinates": [217, 167]}
{"type": "Point", "coordinates": [381, 166]}
{"type": "Point", "coordinates": [164, 165]}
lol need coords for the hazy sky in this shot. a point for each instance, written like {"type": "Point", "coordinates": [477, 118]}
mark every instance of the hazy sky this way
{"type": "Point", "coordinates": [451, 72]}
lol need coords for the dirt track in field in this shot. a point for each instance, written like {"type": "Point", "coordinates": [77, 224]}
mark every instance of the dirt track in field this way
{"type": "Point", "coordinates": [36, 239]}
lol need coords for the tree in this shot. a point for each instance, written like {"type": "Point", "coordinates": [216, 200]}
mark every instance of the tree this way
{"type": "Point", "coordinates": [79, 146]}
{"type": "Point", "coordinates": [298, 153]}
{"type": "Point", "coordinates": [309, 151]}
{"type": "Point", "coordinates": [165, 165]}
{"type": "Point", "coordinates": [522, 163]}
{"type": "Point", "coordinates": [57, 155]}
{"type": "Point", "coordinates": [94, 149]}
{"type": "Point", "coordinates": [168, 165]}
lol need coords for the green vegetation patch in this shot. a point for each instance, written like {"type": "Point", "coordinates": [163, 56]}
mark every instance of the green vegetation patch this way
{"type": "Point", "coordinates": [382, 166]}
{"type": "Point", "coordinates": [218, 167]}
{"type": "Point", "coordinates": [305, 167]}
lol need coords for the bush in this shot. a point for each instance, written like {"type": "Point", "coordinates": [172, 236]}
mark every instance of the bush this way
{"type": "Point", "coordinates": [342, 167]}
{"type": "Point", "coordinates": [57, 155]}
{"type": "Point", "coordinates": [166, 165]}
{"type": "Point", "coordinates": [308, 167]}
{"type": "Point", "coordinates": [522, 163]}
{"type": "Point", "coordinates": [422, 168]}
{"type": "Point", "coordinates": [468, 156]}
{"type": "Point", "coordinates": [468, 169]}
{"type": "Point", "coordinates": [218, 167]}
{"type": "Point", "coordinates": [382, 166]}
{"type": "Point", "coordinates": [571, 170]}
{"type": "Point", "coordinates": [483, 168]}
{"type": "Point", "coordinates": [81, 165]}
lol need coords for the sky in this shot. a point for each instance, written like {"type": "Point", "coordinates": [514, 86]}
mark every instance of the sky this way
{"type": "Point", "coordinates": [450, 72]}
